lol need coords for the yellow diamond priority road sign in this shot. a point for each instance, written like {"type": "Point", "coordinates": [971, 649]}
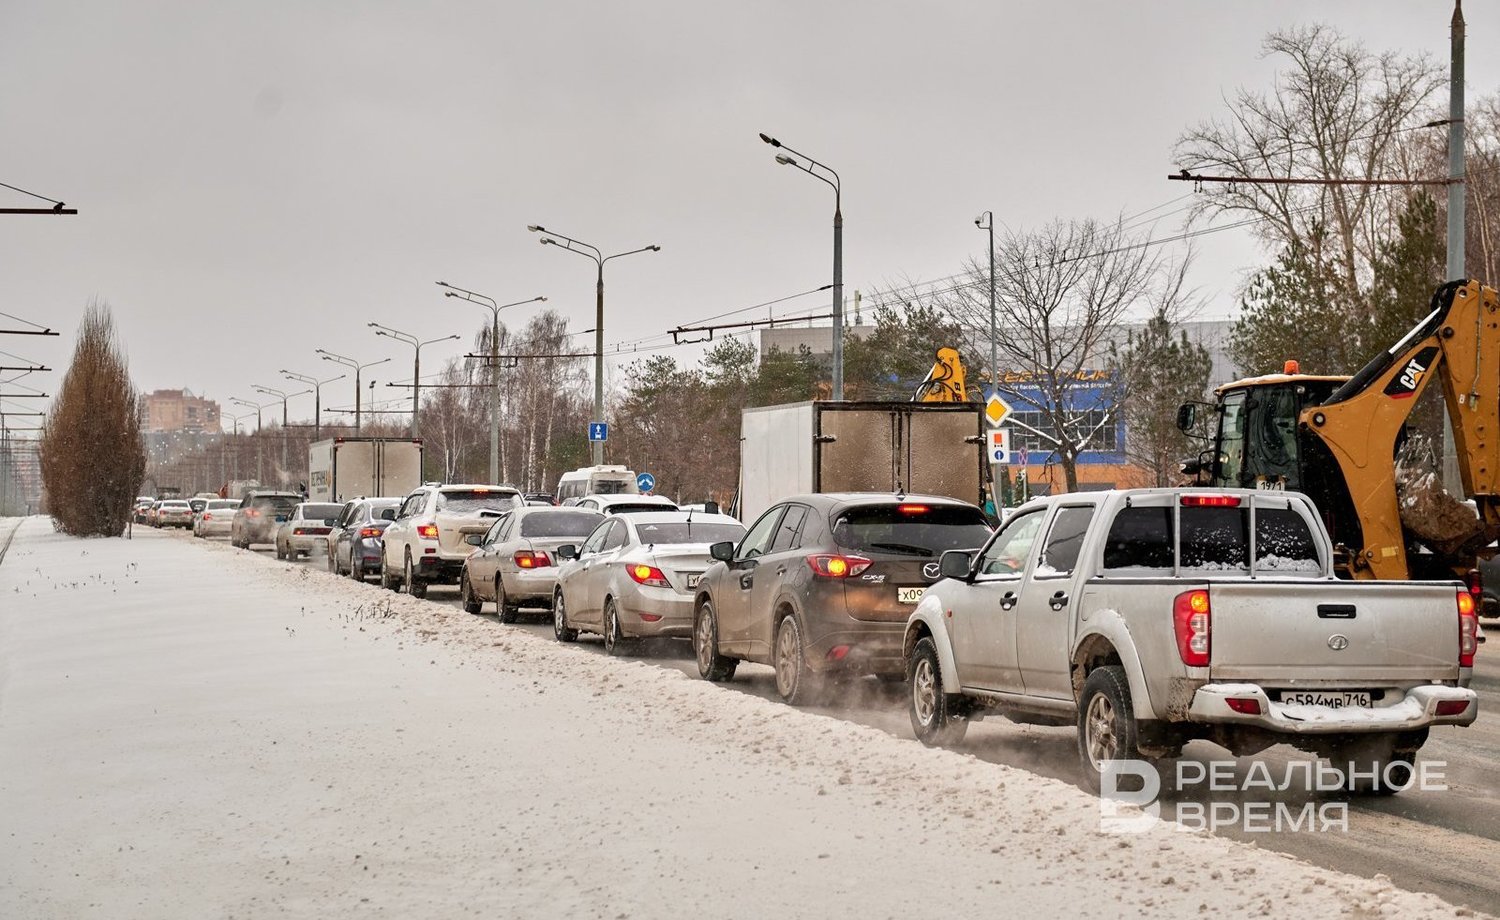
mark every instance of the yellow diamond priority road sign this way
{"type": "Point", "coordinates": [996, 410]}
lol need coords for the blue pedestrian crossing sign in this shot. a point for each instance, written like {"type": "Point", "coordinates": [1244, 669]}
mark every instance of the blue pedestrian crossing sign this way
{"type": "Point", "coordinates": [645, 482]}
{"type": "Point", "coordinates": [598, 431]}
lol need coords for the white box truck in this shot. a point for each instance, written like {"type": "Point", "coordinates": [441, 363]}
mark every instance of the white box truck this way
{"type": "Point", "coordinates": [918, 448]}
{"type": "Point", "coordinates": [339, 469]}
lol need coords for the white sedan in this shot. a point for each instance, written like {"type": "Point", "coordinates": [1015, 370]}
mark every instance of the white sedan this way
{"type": "Point", "coordinates": [634, 576]}
{"type": "Point", "coordinates": [215, 518]}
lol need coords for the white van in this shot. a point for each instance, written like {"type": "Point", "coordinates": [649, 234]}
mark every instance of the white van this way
{"type": "Point", "coordinates": [596, 480]}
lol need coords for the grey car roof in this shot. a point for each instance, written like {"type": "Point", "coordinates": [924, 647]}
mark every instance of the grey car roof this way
{"type": "Point", "coordinates": [835, 500]}
{"type": "Point", "coordinates": [678, 517]}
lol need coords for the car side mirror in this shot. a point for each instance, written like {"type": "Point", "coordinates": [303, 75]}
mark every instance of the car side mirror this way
{"type": "Point", "coordinates": [328, 522]}
{"type": "Point", "coordinates": [474, 539]}
{"type": "Point", "coordinates": [710, 507]}
{"type": "Point", "coordinates": [567, 551]}
{"type": "Point", "coordinates": [955, 563]}
{"type": "Point", "coordinates": [1187, 417]}
{"type": "Point", "coordinates": [724, 552]}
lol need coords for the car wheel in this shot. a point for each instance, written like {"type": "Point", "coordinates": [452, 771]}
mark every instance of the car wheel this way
{"type": "Point", "coordinates": [505, 610]}
{"type": "Point", "coordinates": [934, 717]}
{"type": "Point", "coordinates": [466, 596]}
{"type": "Point", "coordinates": [414, 585]}
{"type": "Point", "coordinates": [560, 629]}
{"type": "Point", "coordinates": [356, 569]}
{"type": "Point", "coordinates": [1373, 766]}
{"type": "Point", "coordinates": [615, 642]}
{"type": "Point", "coordinates": [280, 553]}
{"type": "Point", "coordinates": [795, 681]}
{"type": "Point", "coordinates": [1106, 723]}
{"type": "Point", "coordinates": [387, 579]}
{"type": "Point", "coordinates": [711, 665]}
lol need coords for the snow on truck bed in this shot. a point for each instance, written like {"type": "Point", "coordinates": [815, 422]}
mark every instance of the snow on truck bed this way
{"type": "Point", "coordinates": [188, 730]}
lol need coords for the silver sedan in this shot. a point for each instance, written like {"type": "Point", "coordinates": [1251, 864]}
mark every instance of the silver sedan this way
{"type": "Point", "coordinates": [635, 574]}
{"type": "Point", "coordinates": [515, 562]}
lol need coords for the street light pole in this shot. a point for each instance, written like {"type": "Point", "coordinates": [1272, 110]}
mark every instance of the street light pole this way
{"type": "Point", "coordinates": [592, 252]}
{"type": "Point", "coordinates": [260, 467]}
{"type": "Point", "coordinates": [283, 396]}
{"type": "Point", "coordinates": [350, 362]}
{"type": "Point", "coordinates": [484, 300]}
{"type": "Point", "coordinates": [986, 221]}
{"type": "Point", "coordinates": [416, 367]}
{"type": "Point", "coordinates": [317, 386]}
{"type": "Point", "coordinates": [836, 184]}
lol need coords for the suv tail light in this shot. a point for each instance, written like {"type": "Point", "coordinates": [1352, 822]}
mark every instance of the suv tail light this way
{"type": "Point", "coordinates": [1468, 629]}
{"type": "Point", "coordinates": [528, 560]}
{"type": "Point", "coordinates": [370, 531]}
{"type": "Point", "coordinates": [427, 531]}
{"type": "Point", "coordinates": [648, 575]}
{"type": "Point", "coordinates": [298, 532]}
{"type": "Point", "coordinates": [1191, 618]}
{"type": "Point", "coordinates": [251, 512]}
{"type": "Point", "coordinates": [831, 565]}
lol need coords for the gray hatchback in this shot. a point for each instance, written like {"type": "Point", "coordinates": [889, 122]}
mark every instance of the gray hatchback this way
{"type": "Point", "coordinates": [822, 585]}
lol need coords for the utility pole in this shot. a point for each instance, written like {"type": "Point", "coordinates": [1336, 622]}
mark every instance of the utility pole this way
{"type": "Point", "coordinates": [986, 221]}
{"type": "Point", "coordinates": [1452, 479]}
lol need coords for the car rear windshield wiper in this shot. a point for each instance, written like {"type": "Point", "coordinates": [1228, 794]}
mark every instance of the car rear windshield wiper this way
{"type": "Point", "coordinates": [907, 548]}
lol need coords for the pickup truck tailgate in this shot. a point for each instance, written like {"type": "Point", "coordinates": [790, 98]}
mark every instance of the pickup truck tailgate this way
{"type": "Point", "coordinates": [1333, 632]}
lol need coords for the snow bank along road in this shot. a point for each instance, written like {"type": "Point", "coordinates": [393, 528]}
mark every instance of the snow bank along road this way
{"type": "Point", "coordinates": [191, 731]}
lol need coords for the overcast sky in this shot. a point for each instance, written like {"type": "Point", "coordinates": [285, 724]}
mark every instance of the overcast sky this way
{"type": "Point", "coordinates": [259, 179]}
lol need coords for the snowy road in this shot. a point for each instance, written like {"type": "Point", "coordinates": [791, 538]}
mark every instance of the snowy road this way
{"type": "Point", "coordinates": [187, 730]}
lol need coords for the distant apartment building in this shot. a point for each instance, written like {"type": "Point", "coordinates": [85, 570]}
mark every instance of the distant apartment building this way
{"type": "Point", "coordinates": [179, 410]}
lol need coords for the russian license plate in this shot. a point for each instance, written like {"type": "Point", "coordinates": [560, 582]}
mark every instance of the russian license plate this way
{"type": "Point", "coordinates": [910, 595]}
{"type": "Point", "coordinates": [1343, 700]}
{"type": "Point", "coordinates": [692, 580]}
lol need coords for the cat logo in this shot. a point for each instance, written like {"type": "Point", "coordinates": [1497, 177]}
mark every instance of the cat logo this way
{"type": "Point", "coordinates": [1405, 384]}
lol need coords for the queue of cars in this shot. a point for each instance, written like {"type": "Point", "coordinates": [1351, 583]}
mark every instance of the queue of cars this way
{"type": "Point", "coordinates": [1147, 618]}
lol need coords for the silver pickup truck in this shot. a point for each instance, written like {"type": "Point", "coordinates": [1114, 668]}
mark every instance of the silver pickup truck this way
{"type": "Point", "coordinates": [1153, 617]}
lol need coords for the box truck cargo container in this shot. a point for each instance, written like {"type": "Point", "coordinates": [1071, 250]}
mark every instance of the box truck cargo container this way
{"type": "Point", "coordinates": [922, 448]}
{"type": "Point", "coordinates": [343, 468]}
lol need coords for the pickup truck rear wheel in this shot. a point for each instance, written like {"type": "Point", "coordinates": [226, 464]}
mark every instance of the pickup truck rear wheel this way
{"type": "Point", "coordinates": [1106, 723]}
{"type": "Point", "coordinates": [934, 717]}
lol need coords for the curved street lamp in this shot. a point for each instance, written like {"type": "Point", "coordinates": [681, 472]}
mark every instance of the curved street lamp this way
{"type": "Point", "coordinates": [351, 363]}
{"type": "Point", "coordinates": [317, 389]}
{"type": "Point", "coordinates": [416, 368]}
{"type": "Point", "coordinates": [589, 251]}
{"type": "Point", "coordinates": [484, 300]}
{"type": "Point", "coordinates": [812, 168]}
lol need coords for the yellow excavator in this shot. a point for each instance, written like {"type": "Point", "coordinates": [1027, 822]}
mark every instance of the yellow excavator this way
{"type": "Point", "coordinates": [945, 382]}
{"type": "Point", "coordinates": [1338, 440]}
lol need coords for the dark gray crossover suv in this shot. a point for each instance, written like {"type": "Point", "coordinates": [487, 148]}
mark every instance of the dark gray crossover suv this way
{"type": "Point", "coordinates": [821, 586]}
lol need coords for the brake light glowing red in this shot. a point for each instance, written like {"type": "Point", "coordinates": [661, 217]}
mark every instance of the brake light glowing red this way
{"type": "Point", "coordinates": [912, 509]}
{"type": "Point", "coordinates": [1468, 629]}
{"type": "Point", "coordinates": [1210, 501]}
{"type": "Point", "coordinates": [528, 560]}
{"type": "Point", "coordinates": [369, 531]}
{"type": "Point", "coordinates": [1191, 618]}
{"type": "Point", "coordinates": [427, 531]}
{"type": "Point", "coordinates": [251, 512]}
{"type": "Point", "coordinates": [830, 565]}
{"type": "Point", "coordinates": [298, 531]}
{"type": "Point", "coordinates": [648, 575]}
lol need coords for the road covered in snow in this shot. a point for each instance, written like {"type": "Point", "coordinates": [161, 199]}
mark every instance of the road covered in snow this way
{"type": "Point", "coordinates": [188, 730]}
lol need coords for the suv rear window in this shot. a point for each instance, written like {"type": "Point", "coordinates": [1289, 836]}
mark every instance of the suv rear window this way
{"type": "Point", "coordinates": [910, 528]}
{"type": "Point", "coordinates": [279, 502]}
{"type": "Point", "coordinates": [461, 500]}
{"type": "Point", "coordinates": [321, 512]}
{"type": "Point", "coordinates": [560, 524]}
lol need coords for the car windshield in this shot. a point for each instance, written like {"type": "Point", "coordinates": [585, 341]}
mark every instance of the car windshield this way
{"type": "Point", "coordinates": [560, 524]}
{"type": "Point", "coordinates": [911, 529]}
{"type": "Point", "coordinates": [320, 512]}
{"type": "Point", "coordinates": [459, 501]}
{"type": "Point", "coordinates": [685, 532]}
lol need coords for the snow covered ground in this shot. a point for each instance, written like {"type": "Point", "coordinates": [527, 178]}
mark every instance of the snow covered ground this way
{"type": "Point", "coordinates": [188, 730]}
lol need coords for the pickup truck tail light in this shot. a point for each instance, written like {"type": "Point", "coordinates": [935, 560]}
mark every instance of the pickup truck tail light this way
{"type": "Point", "coordinates": [648, 575]}
{"type": "Point", "coordinates": [1468, 629]}
{"type": "Point", "coordinates": [526, 559]}
{"type": "Point", "coordinates": [829, 565]}
{"type": "Point", "coordinates": [427, 531]}
{"type": "Point", "coordinates": [1191, 618]}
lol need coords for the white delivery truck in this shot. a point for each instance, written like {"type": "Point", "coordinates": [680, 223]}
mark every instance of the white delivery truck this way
{"type": "Point", "coordinates": [339, 469]}
{"type": "Point", "coordinates": [797, 448]}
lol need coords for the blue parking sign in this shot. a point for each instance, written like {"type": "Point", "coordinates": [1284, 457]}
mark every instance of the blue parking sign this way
{"type": "Point", "coordinates": [645, 482]}
{"type": "Point", "coordinates": [598, 431]}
